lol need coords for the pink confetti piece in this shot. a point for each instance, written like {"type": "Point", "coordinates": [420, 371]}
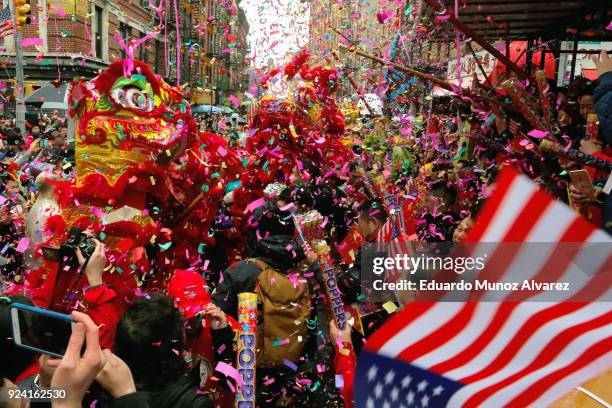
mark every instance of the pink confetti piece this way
{"type": "Point", "coordinates": [3, 199]}
{"type": "Point", "coordinates": [538, 134]}
{"type": "Point", "coordinates": [269, 381]}
{"type": "Point", "coordinates": [255, 204]}
{"type": "Point", "coordinates": [23, 244]}
{"type": "Point", "coordinates": [26, 42]}
{"type": "Point", "coordinates": [222, 151]}
{"type": "Point", "coordinates": [60, 11]}
{"type": "Point", "coordinates": [229, 371]}
{"type": "Point", "coordinates": [287, 207]}
{"type": "Point", "coordinates": [235, 100]}
{"type": "Point", "coordinates": [384, 16]}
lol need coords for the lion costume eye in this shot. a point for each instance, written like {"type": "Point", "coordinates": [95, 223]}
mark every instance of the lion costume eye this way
{"type": "Point", "coordinates": [133, 98]}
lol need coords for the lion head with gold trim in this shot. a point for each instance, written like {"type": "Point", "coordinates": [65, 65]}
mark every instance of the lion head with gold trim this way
{"type": "Point", "coordinates": [128, 129]}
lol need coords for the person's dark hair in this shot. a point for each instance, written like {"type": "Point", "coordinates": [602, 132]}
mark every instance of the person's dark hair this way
{"type": "Point", "coordinates": [373, 208]}
{"type": "Point", "coordinates": [443, 190]}
{"type": "Point", "coordinates": [475, 208]}
{"type": "Point", "coordinates": [150, 340]}
{"type": "Point", "coordinates": [303, 195]}
{"type": "Point", "coordinates": [311, 168]}
{"type": "Point", "coordinates": [580, 86]}
{"type": "Point", "coordinates": [13, 138]}
{"type": "Point", "coordinates": [354, 166]}
{"type": "Point", "coordinates": [285, 195]}
{"type": "Point", "coordinates": [14, 359]}
{"type": "Point", "coordinates": [587, 89]}
{"type": "Point", "coordinates": [268, 221]}
{"type": "Point", "coordinates": [465, 163]}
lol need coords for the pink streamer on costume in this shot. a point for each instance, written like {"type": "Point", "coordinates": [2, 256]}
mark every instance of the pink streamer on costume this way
{"type": "Point", "coordinates": [458, 45]}
{"type": "Point", "coordinates": [178, 45]}
{"type": "Point", "coordinates": [166, 41]}
{"type": "Point", "coordinates": [129, 47]}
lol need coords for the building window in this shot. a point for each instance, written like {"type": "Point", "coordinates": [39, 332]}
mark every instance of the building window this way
{"type": "Point", "coordinates": [124, 32]}
{"type": "Point", "coordinates": [98, 32]}
{"type": "Point", "coordinates": [144, 4]}
{"type": "Point", "coordinates": [142, 54]}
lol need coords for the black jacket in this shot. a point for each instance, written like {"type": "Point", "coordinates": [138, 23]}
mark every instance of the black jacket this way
{"type": "Point", "coordinates": [180, 394]}
{"type": "Point", "coordinates": [280, 252]}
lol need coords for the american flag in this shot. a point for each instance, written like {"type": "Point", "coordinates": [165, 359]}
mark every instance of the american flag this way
{"type": "Point", "coordinates": [6, 23]}
{"type": "Point", "coordinates": [496, 354]}
{"type": "Point", "coordinates": [396, 234]}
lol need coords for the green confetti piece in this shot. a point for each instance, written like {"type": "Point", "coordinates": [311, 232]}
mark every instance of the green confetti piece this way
{"type": "Point", "coordinates": [165, 246]}
{"type": "Point", "coordinates": [205, 188]}
{"type": "Point", "coordinates": [102, 236]}
{"type": "Point", "coordinates": [201, 248]}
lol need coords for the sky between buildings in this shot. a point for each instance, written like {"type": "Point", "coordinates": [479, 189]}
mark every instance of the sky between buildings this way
{"type": "Point", "coordinates": [277, 28]}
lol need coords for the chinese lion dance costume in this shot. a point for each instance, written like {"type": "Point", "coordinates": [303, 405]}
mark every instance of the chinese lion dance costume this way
{"type": "Point", "coordinates": [150, 185]}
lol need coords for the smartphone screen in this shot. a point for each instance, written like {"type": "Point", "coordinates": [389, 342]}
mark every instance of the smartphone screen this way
{"type": "Point", "coordinates": [40, 329]}
{"type": "Point", "coordinates": [581, 179]}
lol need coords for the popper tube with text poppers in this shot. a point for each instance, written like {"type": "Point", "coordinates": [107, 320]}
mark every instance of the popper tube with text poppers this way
{"type": "Point", "coordinates": [247, 327]}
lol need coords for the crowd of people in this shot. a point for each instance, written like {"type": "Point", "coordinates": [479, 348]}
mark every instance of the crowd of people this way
{"type": "Point", "coordinates": [176, 347]}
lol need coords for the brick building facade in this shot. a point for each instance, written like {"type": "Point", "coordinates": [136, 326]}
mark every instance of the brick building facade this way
{"type": "Point", "coordinates": [78, 37]}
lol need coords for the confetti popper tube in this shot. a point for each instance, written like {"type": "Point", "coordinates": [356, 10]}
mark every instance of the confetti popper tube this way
{"type": "Point", "coordinates": [575, 155]}
{"type": "Point", "coordinates": [544, 97]}
{"type": "Point", "coordinates": [331, 284]}
{"type": "Point", "coordinates": [521, 100]}
{"type": "Point", "coordinates": [247, 326]}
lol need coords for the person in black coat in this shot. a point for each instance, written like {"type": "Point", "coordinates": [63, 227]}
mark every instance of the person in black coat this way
{"type": "Point", "coordinates": [602, 97]}
{"type": "Point", "coordinates": [271, 240]}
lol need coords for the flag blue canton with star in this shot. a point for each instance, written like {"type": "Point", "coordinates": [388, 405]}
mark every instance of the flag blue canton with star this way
{"type": "Point", "coordinates": [383, 382]}
{"type": "Point", "coordinates": [5, 14]}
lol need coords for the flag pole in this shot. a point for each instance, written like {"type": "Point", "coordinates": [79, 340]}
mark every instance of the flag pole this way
{"type": "Point", "coordinates": [19, 79]}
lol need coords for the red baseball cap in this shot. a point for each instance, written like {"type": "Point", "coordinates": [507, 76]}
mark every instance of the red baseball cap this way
{"type": "Point", "coordinates": [189, 291]}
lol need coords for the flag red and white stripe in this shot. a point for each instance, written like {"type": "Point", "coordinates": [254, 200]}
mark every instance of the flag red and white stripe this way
{"type": "Point", "coordinates": [6, 23]}
{"type": "Point", "coordinates": [511, 354]}
{"type": "Point", "coordinates": [396, 235]}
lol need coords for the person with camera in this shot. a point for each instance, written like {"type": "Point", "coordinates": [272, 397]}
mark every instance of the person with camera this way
{"type": "Point", "coordinates": [103, 304]}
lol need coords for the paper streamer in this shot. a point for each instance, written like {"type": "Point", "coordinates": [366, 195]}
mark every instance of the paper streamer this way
{"type": "Point", "coordinates": [26, 42]}
{"type": "Point", "coordinates": [247, 326]}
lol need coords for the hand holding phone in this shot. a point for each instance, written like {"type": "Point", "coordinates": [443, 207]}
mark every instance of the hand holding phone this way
{"type": "Point", "coordinates": [40, 330]}
{"type": "Point", "coordinates": [581, 190]}
{"type": "Point", "coordinates": [76, 373]}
